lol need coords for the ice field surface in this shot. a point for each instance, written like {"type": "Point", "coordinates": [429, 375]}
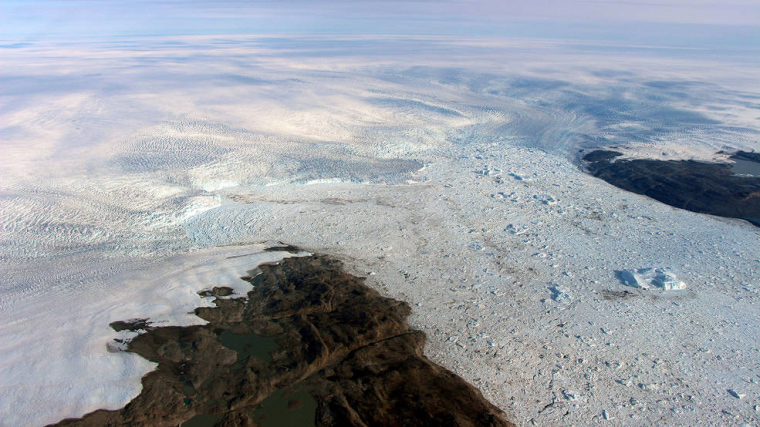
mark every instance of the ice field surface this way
{"type": "Point", "coordinates": [447, 178]}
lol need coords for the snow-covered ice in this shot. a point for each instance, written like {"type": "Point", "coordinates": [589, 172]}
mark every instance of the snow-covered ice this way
{"type": "Point", "coordinates": [448, 175]}
{"type": "Point", "coordinates": [58, 357]}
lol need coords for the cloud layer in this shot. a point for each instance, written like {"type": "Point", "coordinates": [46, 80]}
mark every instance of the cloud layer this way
{"type": "Point", "coordinates": [679, 21]}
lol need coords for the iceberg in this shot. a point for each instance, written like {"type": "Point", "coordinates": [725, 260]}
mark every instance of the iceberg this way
{"type": "Point", "coordinates": [645, 278]}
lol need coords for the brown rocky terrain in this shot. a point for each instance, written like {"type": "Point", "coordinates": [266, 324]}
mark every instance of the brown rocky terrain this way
{"type": "Point", "coordinates": [310, 346]}
{"type": "Point", "coordinates": [702, 187]}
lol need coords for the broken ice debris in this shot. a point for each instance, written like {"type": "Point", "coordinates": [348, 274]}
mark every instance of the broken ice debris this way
{"type": "Point", "coordinates": [645, 278]}
{"type": "Point", "coordinates": [489, 171]}
{"type": "Point", "coordinates": [560, 294]}
{"type": "Point", "coordinates": [546, 199]}
{"type": "Point", "coordinates": [570, 395]}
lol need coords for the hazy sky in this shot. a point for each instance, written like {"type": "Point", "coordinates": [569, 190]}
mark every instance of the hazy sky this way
{"type": "Point", "coordinates": [685, 22]}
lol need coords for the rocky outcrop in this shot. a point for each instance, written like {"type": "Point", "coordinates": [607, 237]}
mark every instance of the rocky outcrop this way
{"type": "Point", "coordinates": [711, 188]}
{"type": "Point", "coordinates": [310, 345]}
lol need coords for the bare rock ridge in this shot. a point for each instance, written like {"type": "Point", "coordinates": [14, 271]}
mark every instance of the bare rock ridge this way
{"type": "Point", "coordinates": [310, 346]}
{"type": "Point", "coordinates": [702, 187]}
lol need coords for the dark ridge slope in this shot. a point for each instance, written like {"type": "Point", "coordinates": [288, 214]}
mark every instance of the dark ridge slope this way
{"type": "Point", "coordinates": [310, 345]}
{"type": "Point", "coordinates": [711, 188]}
